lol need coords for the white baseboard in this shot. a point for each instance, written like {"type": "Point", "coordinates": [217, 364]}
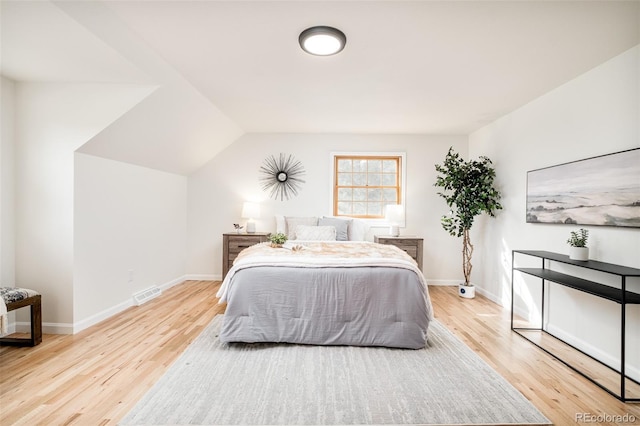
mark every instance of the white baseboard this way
{"type": "Point", "coordinates": [442, 282]}
{"type": "Point", "coordinates": [11, 328]}
{"type": "Point", "coordinates": [522, 313]}
{"type": "Point", "coordinates": [479, 290]}
{"type": "Point", "coordinates": [173, 282]}
{"type": "Point", "coordinates": [108, 313]}
{"type": "Point", "coordinates": [597, 353]}
{"type": "Point", "coordinates": [47, 327]}
{"type": "Point", "coordinates": [78, 326]}
{"type": "Point", "coordinates": [494, 298]}
{"type": "Point", "coordinates": [203, 277]}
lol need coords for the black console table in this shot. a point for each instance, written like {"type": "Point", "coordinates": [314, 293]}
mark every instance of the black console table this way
{"type": "Point", "coordinates": [617, 295]}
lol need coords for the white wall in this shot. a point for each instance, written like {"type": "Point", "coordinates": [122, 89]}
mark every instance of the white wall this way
{"type": "Point", "coordinates": [216, 193]}
{"type": "Point", "coordinates": [594, 114]}
{"type": "Point", "coordinates": [7, 181]}
{"type": "Point", "coordinates": [129, 234]}
{"type": "Point", "coordinates": [52, 121]}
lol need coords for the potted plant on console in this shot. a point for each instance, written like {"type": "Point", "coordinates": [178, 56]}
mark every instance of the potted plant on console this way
{"type": "Point", "coordinates": [468, 190]}
{"type": "Point", "coordinates": [577, 241]}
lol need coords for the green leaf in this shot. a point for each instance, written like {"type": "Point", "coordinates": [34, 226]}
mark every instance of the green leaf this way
{"type": "Point", "coordinates": [468, 189]}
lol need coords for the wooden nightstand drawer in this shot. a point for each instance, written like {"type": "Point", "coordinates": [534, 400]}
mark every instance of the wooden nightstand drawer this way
{"type": "Point", "coordinates": [233, 243]}
{"type": "Point", "coordinates": [411, 250]}
{"type": "Point", "coordinates": [241, 242]}
{"type": "Point", "coordinates": [411, 245]}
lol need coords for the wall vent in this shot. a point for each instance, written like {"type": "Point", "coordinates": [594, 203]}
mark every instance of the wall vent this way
{"type": "Point", "coordinates": [146, 295]}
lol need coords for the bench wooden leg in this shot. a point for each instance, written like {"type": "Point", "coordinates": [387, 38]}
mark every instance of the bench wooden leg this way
{"type": "Point", "coordinates": [35, 307]}
{"type": "Point", "coordinates": [36, 322]}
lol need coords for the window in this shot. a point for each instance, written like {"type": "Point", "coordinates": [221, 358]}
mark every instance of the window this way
{"type": "Point", "coordinates": [365, 184]}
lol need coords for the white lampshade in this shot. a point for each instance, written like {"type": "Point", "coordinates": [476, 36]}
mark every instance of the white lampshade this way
{"type": "Point", "coordinates": [251, 211]}
{"type": "Point", "coordinates": [394, 214]}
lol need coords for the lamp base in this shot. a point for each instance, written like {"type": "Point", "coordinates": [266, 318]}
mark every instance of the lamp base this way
{"type": "Point", "coordinates": [394, 231]}
{"type": "Point", "coordinates": [251, 227]}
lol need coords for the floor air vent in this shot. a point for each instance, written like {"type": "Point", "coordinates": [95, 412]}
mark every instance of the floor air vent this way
{"type": "Point", "coordinates": [146, 295]}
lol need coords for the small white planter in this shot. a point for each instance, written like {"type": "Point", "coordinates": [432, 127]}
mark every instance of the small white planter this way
{"type": "Point", "coordinates": [466, 291]}
{"type": "Point", "coordinates": [579, 253]}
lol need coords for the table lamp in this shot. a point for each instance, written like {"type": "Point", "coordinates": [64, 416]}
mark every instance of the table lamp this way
{"type": "Point", "coordinates": [394, 215]}
{"type": "Point", "coordinates": [251, 211]}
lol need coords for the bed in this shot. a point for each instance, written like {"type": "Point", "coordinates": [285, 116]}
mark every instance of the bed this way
{"type": "Point", "coordinates": [326, 293]}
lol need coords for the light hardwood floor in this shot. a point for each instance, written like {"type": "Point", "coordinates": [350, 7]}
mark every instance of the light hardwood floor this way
{"type": "Point", "coordinates": [95, 377]}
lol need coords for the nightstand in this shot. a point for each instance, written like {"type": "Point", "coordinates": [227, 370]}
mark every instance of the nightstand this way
{"type": "Point", "coordinates": [411, 245]}
{"type": "Point", "coordinates": [233, 243]}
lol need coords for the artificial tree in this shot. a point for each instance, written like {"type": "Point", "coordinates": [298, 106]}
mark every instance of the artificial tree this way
{"type": "Point", "coordinates": [468, 189]}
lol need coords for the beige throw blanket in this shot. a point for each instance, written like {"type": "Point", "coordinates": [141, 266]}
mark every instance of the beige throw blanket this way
{"type": "Point", "coordinates": [318, 255]}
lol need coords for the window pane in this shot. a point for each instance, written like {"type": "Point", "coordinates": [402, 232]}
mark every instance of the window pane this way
{"type": "Point", "coordinates": [344, 208]}
{"type": "Point", "coordinates": [345, 194]}
{"type": "Point", "coordinates": [375, 209]}
{"type": "Point", "coordinates": [359, 179]}
{"type": "Point", "coordinates": [375, 165]}
{"type": "Point", "coordinates": [344, 165]}
{"type": "Point", "coordinates": [374, 194]}
{"type": "Point", "coordinates": [375, 179]}
{"type": "Point", "coordinates": [388, 179]}
{"type": "Point", "coordinates": [389, 166]}
{"type": "Point", "coordinates": [390, 195]}
{"type": "Point", "coordinates": [359, 194]}
{"type": "Point", "coordinates": [359, 165]}
{"type": "Point", "coordinates": [344, 179]}
{"type": "Point", "coordinates": [360, 209]}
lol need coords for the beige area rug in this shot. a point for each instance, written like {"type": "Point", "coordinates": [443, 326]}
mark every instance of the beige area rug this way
{"type": "Point", "coordinates": [282, 384]}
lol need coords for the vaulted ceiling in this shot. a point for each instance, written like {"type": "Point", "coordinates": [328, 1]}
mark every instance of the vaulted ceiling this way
{"type": "Point", "coordinates": [223, 68]}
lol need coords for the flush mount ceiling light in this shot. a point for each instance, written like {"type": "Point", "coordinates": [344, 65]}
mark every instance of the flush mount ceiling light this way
{"type": "Point", "coordinates": [322, 41]}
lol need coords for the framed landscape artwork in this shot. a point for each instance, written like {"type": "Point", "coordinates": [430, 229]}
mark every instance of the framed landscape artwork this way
{"type": "Point", "coordinates": [601, 190]}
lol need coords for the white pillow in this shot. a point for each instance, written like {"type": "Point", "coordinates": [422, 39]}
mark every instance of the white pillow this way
{"type": "Point", "coordinates": [315, 233]}
{"type": "Point", "coordinates": [293, 222]}
{"type": "Point", "coordinates": [341, 224]}
{"type": "Point", "coordinates": [358, 230]}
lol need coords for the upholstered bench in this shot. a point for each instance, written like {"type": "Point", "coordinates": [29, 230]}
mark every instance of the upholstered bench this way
{"type": "Point", "coordinates": [15, 298]}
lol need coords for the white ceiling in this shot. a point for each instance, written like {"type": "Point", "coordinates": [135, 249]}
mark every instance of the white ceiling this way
{"type": "Point", "coordinates": [436, 67]}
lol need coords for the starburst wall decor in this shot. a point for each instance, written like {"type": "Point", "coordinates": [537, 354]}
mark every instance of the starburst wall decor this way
{"type": "Point", "coordinates": [281, 176]}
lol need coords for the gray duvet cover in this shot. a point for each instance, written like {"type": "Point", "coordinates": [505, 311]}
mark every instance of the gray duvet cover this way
{"type": "Point", "coordinates": [355, 303]}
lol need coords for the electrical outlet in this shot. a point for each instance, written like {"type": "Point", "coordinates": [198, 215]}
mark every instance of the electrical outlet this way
{"type": "Point", "coordinates": [130, 275]}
